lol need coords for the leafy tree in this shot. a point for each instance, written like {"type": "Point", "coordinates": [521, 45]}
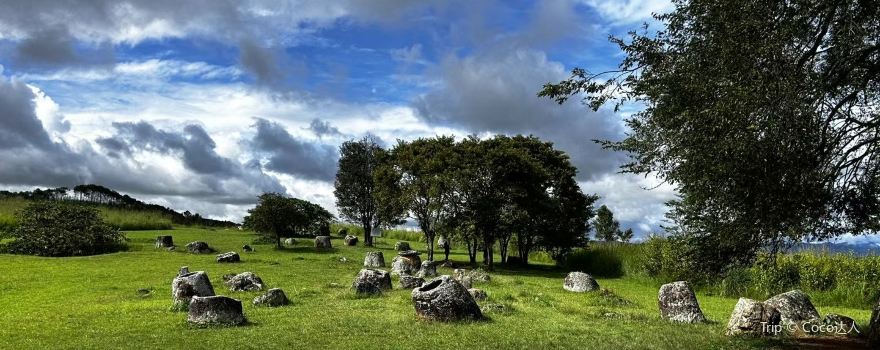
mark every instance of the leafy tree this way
{"type": "Point", "coordinates": [355, 186]}
{"type": "Point", "coordinates": [48, 228]}
{"type": "Point", "coordinates": [519, 187]}
{"type": "Point", "coordinates": [626, 235]}
{"type": "Point", "coordinates": [762, 114]}
{"type": "Point", "coordinates": [424, 186]}
{"type": "Point", "coordinates": [607, 229]}
{"type": "Point", "coordinates": [550, 210]}
{"type": "Point", "coordinates": [485, 192]}
{"type": "Point", "coordinates": [569, 221]}
{"type": "Point", "coordinates": [277, 216]}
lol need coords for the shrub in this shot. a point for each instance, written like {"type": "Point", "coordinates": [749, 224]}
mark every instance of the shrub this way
{"type": "Point", "coordinates": [770, 278]}
{"type": "Point", "coordinates": [62, 229]}
{"type": "Point", "coordinates": [669, 259]}
{"type": "Point", "coordinates": [598, 261]}
{"type": "Point", "coordinates": [736, 283]}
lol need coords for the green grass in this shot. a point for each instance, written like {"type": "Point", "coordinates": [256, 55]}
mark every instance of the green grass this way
{"type": "Point", "coordinates": [117, 218]}
{"type": "Point", "coordinates": [92, 302]}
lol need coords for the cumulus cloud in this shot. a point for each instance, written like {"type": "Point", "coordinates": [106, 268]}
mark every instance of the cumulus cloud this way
{"type": "Point", "coordinates": [261, 62]}
{"type": "Point", "coordinates": [630, 11]}
{"type": "Point", "coordinates": [493, 89]}
{"type": "Point", "coordinates": [638, 202]}
{"type": "Point", "coordinates": [496, 92]}
{"type": "Point", "coordinates": [55, 46]}
{"type": "Point", "coordinates": [194, 145]}
{"type": "Point", "coordinates": [177, 129]}
{"type": "Point", "coordinates": [47, 31]}
{"type": "Point", "coordinates": [31, 157]}
{"type": "Point", "coordinates": [286, 154]}
{"type": "Point", "coordinates": [323, 128]}
{"type": "Point", "coordinates": [409, 55]}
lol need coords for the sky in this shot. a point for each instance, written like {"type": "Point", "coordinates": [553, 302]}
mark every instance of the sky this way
{"type": "Point", "coordinates": [202, 105]}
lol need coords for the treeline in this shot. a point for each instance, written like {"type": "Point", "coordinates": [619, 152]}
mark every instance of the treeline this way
{"type": "Point", "coordinates": [277, 216]}
{"type": "Point", "coordinates": [488, 194]}
{"type": "Point", "coordinates": [103, 196]}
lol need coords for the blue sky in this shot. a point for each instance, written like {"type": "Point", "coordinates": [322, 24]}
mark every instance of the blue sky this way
{"type": "Point", "coordinates": [202, 105]}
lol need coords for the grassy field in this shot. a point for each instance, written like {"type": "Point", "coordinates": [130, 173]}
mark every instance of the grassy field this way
{"type": "Point", "coordinates": [92, 302]}
{"type": "Point", "coordinates": [115, 217]}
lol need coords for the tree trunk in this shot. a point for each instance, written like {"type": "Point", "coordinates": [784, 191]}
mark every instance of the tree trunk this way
{"type": "Point", "coordinates": [524, 247]}
{"type": "Point", "coordinates": [429, 236]}
{"type": "Point", "coordinates": [524, 250]}
{"type": "Point", "coordinates": [368, 234]}
{"type": "Point", "coordinates": [488, 249]}
{"type": "Point", "coordinates": [278, 241]}
{"type": "Point", "coordinates": [502, 248]}
{"type": "Point", "coordinates": [489, 262]}
{"type": "Point", "coordinates": [472, 251]}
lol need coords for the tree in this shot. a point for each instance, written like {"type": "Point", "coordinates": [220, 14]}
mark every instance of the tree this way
{"type": "Point", "coordinates": [569, 221]}
{"type": "Point", "coordinates": [547, 207]}
{"type": "Point", "coordinates": [762, 114]}
{"type": "Point", "coordinates": [518, 187]}
{"type": "Point", "coordinates": [607, 229]}
{"type": "Point", "coordinates": [626, 235]}
{"type": "Point", "coordinates": [277, 216]}
{"type": "Point", "coordinates": [423, 169]}
{"type": "Point", "coordinates": [355, 187]}
{"type": "Point", "coordinates": [48, 228]}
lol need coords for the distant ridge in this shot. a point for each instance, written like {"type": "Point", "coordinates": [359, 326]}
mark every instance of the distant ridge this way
{"type": "Point", "coordinates": [100, 195]}
{"type": "Point", "coordinates": [861, 249]}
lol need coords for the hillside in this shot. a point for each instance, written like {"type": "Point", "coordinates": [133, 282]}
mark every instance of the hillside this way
{"type": "Point", "coordinates": [119, 210]}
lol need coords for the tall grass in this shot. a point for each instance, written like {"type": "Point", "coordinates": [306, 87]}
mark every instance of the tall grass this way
{"type": "Point", "coordinates": [602, 259]}
{"type": "Point", "coordinates": [131, 220]}
{"type": "Point", "coordinates": [122, 219]}
{"type": "Point", "coordinates": [829, 278]}
{"type": "Point", "coordinates": [8, 207]}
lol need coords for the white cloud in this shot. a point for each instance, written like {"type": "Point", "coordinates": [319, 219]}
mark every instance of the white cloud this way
{"type": "Point", "coordinates": [48, 112]}
{"type": "Point", "coordinates": [409, 55]}
{"type": "Point", "coordinates": [629, 11]}
{"type": "Point", "coordinates": [138, 72]}
{"type": "Point", "coordinates": [636, 201]}
{"type": "Point", "coordinates": [152, 91]}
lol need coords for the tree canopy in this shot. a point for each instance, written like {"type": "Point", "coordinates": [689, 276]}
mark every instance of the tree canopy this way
{"type": "Point", "coordinates": [763, 114]}
{"type": "Point", "coordinates": [277, 216]}
{"type": "Point", "coordinates": [489, 191]}
{"type": "Point", "coordinates": [357, 194]}
{"type": "Point", "coordinates": [607, 228]}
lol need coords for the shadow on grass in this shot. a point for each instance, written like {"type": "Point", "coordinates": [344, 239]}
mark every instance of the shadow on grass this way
{"type": "Point", "coordinates": [547, 271]}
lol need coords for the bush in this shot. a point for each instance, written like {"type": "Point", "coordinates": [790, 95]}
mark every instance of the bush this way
{"type": "Point", "coordinates": [597, 261]}
{"type": "Point", "coordinates": [669, 259]}
{"type": "Point", "coordinates": [62, 229]}
{"type": "Point", "coordinates": [769, 278]}
{"type": "Point", "coordinates": [736, 283]}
